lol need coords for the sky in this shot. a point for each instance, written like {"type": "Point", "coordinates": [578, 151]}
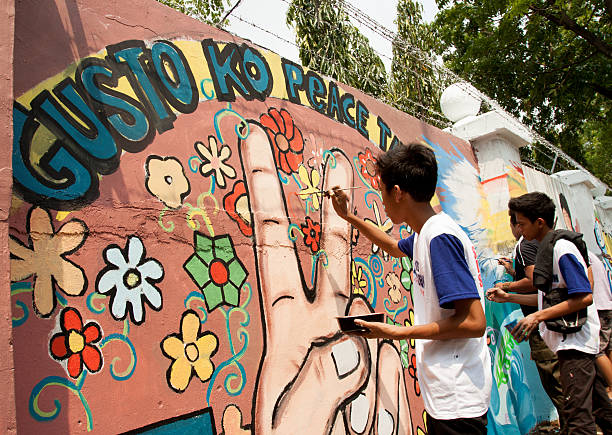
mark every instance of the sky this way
{"type": "Point", "coordinates": [252, 16]}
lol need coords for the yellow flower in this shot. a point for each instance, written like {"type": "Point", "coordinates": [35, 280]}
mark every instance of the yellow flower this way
{"type": "Point", "coordinates": [44, 257]}
{"type": "Point", "coordinates": [232, 422]}
{"type": "Point", "coordinates": [165, 179]}
{"type": "Point", "coordinates": [357, 280]}
{"type": "Point", "coordinates": [410, 322]}
{"type": "Point", "coordinates": [311, 192]}
{"type": "Point", "coordinates": [191, 352]}
{"type": "Point", "coordinates": [419, 430]}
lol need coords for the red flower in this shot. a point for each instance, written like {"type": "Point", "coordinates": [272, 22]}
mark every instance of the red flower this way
{"type": "Point", "coordinates": [287, 138]}
{"type": "Point", "coordinates": [368, 168]}
{"type": "Point", "coordinates": [312, 234]}
{"type": "Point", "coordinates": [412, 371]}
{"type": "Point", "coordinates": [236, 204]}
{"type": "Point", "coordinates": [75, 343]}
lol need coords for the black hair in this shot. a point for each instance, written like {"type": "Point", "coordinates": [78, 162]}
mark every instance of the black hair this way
{"type": "Point", "coordinates": [534, 205]}
{"type": "Point", "coordinates": [565, 206]}
{"type": "Point", "coordinates": [512, 218]}
{"type": "Point", "coordinates": [412, 167]}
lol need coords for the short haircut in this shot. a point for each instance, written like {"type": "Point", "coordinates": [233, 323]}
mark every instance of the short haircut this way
{"type": "Point", "coordinates": [534, 205]}
{"type": "Point", "coordinates": [512, 218]}
{"type": "Point", "coordinates": [412, 167]}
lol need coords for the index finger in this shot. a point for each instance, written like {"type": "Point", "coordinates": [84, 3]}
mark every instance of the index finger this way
{"type": "Point", "coordinates": [269, 217]}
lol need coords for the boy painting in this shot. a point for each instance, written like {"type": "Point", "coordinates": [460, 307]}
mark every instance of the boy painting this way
{"type": "Point", "coordinates": [452, 357]}
{"type": "Point", "coordinates": [584, 389]}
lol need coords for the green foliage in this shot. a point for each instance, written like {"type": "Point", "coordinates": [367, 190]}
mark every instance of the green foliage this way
{"type": "Point", "coordinates": [207, 11]}
{"type": "Point", "coordinates": [546, 61]}
{"type": "Point", "coordinates": [331, 45]}
{"type": "Point", "coordinates": [414, 84]}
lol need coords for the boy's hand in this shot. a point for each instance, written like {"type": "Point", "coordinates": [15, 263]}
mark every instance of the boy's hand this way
{"type": "Point", "coordinates": [375, 330]}
{"type": "Point", "coordinates": [340, 201]}
{"type": "Point", "coordinates": [507, 263]}
{"type": "Point", "coordinates": [525, 327]}
{"type": "Point", "coordinates": [496, 294]}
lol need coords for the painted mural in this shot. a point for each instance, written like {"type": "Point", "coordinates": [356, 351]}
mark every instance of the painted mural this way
{"type": "Point", "coordinates": [571, 216]}
{"type": "Point", "coordinates": [176, 269]}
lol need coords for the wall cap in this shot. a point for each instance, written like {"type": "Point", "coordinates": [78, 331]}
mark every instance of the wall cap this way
{"type": "Point", "coordinates": [490, 125]}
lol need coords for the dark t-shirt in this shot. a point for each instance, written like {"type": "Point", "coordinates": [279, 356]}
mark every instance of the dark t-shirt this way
{"type": "Point", "coordinates": [525, 255]}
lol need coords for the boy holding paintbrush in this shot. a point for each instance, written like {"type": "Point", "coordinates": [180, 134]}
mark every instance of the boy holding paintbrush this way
{"type": "Point", "coordinates": [452, 358]}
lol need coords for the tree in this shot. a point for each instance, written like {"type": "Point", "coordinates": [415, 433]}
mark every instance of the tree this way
{"type": "Point", "coordinates": [546, 61]}
{"type": "Point", "coordinates": [331, 45]}
{"type": "Point", "coordinates": [414, 85]}
{"type": "Point", "coordinates": [208, 11]}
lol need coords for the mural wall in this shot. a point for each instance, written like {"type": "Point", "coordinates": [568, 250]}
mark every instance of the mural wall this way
{"type": "Point", "coordinates": [577, 212]}
{"type": "Point", "coordinates": [173, 264]}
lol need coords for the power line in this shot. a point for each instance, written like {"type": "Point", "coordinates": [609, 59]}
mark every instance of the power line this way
{"type": "Point", "coordinates": [468, 87]}
{"type": "Point", "coordinates": [441, 120]}
{"type": "Point", "coordinates": [445, 74]}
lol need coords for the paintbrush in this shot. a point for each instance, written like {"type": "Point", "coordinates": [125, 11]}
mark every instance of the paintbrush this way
{"type": "Point", "coordinates": [326, 193]}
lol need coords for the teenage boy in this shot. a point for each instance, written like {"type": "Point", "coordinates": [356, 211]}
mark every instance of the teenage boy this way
{"type": "Point", "coordinates": [452, 357]}
{"type": "Point", "coordinates": [587, 401]}
{"type": "Point", "coordinates": [524, 255]}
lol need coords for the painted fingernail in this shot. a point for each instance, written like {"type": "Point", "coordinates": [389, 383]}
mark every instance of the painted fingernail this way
{"type": "Point", "coordinates": [385, 423]}
{"type": "Point", "coordinates": [359, 413]}
{"type": "Point", "coordinates": [346, 357]}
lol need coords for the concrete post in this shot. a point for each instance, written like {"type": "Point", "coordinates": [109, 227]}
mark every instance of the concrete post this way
{"type": "Point", "coordinates": [581, 187]}
{"type": "Point", "coordinates": [496, 140]}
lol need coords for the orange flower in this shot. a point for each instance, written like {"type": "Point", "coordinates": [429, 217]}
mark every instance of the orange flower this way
{"type": "Point", "coordinates": [286, 137]}
{"type": "Point", "coordinates": [236, 204]}
{"type": "Point", "coordinates": [312, 234]}
{"type": "Point", "coordinates": [75, 343]}
{"type": "Point", "coordinates": [368, 168]}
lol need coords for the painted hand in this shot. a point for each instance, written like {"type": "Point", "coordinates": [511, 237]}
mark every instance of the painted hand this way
{"type": "Point", "coordinates": [312, 378]}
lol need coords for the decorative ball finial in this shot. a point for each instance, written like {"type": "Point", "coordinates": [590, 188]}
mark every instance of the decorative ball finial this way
{"type": "Point", "coordinates": [458, 103]}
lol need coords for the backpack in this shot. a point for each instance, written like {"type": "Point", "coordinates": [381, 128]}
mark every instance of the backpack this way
{"type": "Point", "coordinates": [542, 279]}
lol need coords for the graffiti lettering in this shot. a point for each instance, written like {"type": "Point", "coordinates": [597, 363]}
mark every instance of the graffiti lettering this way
{"type": "Point", "coordinates": [91, 120]}
{"type": "Point", "coordinates": [242, 69]}
{"type": "Point", "coordinates": [77, 129]}
{"type": "Point", "coordinates": [325, 100]}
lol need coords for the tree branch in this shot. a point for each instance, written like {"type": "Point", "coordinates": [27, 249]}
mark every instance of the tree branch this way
{"type": "Point", "coordinates": [568, 23]}
{"type": "Point", "coordinates": [606, 92]}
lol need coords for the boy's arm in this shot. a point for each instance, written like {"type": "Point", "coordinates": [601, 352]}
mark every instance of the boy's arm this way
{"type": "Point", "coordinates": [468, 321]}
{"type": "Point", "coordinates": [524, 285]}
{"type": "Point", "coordinates": [579, 296]}
{"type": "Point", "coordinates": [456, 289]}
{"type": "Point", "coordinates": [527, 324]}
{"type": "Point", "coordinates": [496, 294]}
{"type": "Point", "coordinates": [387, 243]}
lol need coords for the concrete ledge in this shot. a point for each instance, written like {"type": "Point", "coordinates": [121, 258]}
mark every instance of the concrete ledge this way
{"type": "Point", "coordinates": [488, 125]}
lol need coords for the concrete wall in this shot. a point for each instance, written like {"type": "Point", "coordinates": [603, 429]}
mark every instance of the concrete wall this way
{"type": "Point", "coordinates": [173, 265]}
{"type": "Point", "coordinates": [7, 408]}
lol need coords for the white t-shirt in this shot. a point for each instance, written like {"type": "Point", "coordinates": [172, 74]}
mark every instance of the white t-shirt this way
{"type": "Point", "coordinates": [454, 375]}
{"type": "Point", "coordinates": [569, 271]}
{"type": "Point", "coordinates": [602, 295]}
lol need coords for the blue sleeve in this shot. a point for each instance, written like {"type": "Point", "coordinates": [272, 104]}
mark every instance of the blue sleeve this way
{"type": "Point", "coordinates": [573, 273]}
{"type": "Point", "coordinates": [407, 245]}
{"type": "Point", "coordinates": [450, 270]}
